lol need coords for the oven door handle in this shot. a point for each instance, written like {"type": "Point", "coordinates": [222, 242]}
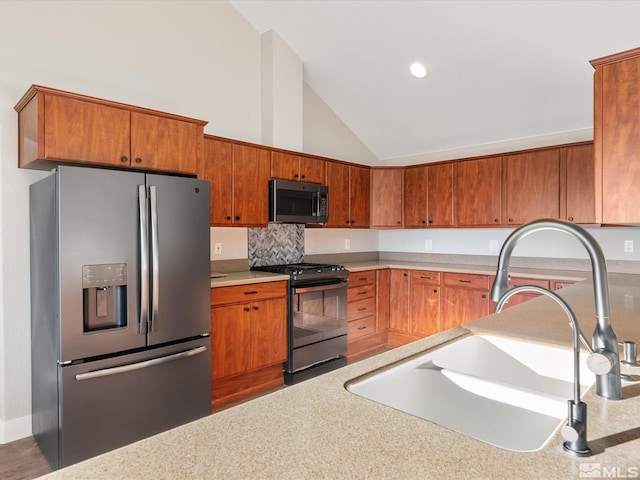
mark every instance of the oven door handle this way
{"type": "Point", "coordinates": [319, 288]}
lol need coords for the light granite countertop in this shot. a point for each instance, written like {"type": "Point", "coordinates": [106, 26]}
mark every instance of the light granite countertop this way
{"type": "Point", "coordinates": [316, 429]}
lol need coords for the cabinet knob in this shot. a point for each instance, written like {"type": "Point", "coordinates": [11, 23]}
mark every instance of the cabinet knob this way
{"type": "Point", "coordinates": [302, 176]}
{"type": "Point", "coordinates": [124, 159]}
{"type": "Point", "coordinates": [138, 160]}
{"type": "Point", "coordinates": [237, 217]}
{"type": "Point", "coordinates": [511, 220]}
{"type": "Point", "coordinates": [497, 220]}
{"type": "Point", "coordinates": [484, 296]}
{"type": "Point", "coordinates": [435, 290]}
{"type": "Point", "coordinates": [430, 221]}
{"type": "Point", "coordinates": [398, 222]}
{"type": "Point", "coordinates": [405, 274]}
{"type": "Point", "coordinates": [246, 309]}
{"type": "Point", "coordinates": [228, 217]}
{"type": "Point", "coordinates": [571, 219]}
{"type": "Point", "coordinates": [353, 221]}
{"type": "Point", "coordinates": [255, 307]}
{"type": "Point", "coordinates": [424, 221]}
{"type": "Point", "coordinates": [296, 176]}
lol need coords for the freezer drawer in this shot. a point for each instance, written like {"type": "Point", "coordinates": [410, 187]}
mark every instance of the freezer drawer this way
{"type": "Point", "coordinates": [110, 403]}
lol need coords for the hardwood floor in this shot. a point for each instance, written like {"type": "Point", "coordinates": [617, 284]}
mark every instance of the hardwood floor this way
{"type": "Point", "coordinates": [22, 460]}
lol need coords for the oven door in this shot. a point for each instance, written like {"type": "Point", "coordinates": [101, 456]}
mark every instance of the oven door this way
{"type": "Point", "coordinates": [319, 313]}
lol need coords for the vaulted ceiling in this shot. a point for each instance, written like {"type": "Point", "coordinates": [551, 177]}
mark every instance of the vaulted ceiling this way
{"type": "Point", "coordinates": [499, 73]}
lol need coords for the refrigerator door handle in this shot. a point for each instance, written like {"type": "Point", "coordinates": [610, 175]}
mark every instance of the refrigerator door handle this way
{"type": "Point", "coordinates": [144, 260]}
{"type": "Point", "coordinates": [155, 283]}
{"type": "Point", "coordinates": [105, 372]}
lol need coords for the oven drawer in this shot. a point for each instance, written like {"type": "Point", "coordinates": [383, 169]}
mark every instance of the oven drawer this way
{"type": "Point", "coordinates": [361, 278]}
{"type": "Point", "coordinates": [361, 308]}
{"type": "Point", "coordinates": [360, 293]}
{"type": "Point", "coordinates": [361, 327]}
{"type": "Point", "coordinates": [247, 293]}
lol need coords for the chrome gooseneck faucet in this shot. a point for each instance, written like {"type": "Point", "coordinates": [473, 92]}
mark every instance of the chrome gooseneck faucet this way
{"type": "Point", "coordinates": [606, 362]}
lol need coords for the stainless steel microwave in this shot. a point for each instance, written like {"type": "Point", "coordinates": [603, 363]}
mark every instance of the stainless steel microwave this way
{"type": "Point", "coordinates": [298, 202]}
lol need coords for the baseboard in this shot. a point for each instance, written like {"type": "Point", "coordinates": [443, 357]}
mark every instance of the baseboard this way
{"type": "Point", "coordinates": [15, 429]}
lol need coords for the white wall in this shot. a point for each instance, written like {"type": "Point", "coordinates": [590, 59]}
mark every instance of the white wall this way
{"type": "Point", "coordinates": [193, 58]}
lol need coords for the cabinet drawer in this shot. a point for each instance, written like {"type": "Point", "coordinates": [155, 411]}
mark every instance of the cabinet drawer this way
{"type": "Point", "coordinates": [360, 293]}
{"type": "Point", "coordinates": [466, 280]}
{"type": "Point", "coordinates": [361, 278]}
{"type": "Point", "coordinates": [248, 293]}
{"type": "Point", "coordinates": [518, 282]}
{"type": "Point", "coordinates": [361, 327]}
{"type": "Point", "coordinates": [425, 277]}
{"type": "Point", "coordinates": [361, 308]}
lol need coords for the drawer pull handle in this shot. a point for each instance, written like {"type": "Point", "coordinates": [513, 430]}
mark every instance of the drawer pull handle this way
{"type": "Point", "coordinates": [362, 309]}
{"type": "Point", "coordinates": [465, 281]}
{"type": "Point", "coordinates": [362, 293]}
{"type": "Point", "coordinates": [425, 277]}
{"type": "Point", "coordinates": [362, 327]}
{"type": "Point", "coordinates": [251, 292]}
{"type": "Point", "coordinates": [363, 279]}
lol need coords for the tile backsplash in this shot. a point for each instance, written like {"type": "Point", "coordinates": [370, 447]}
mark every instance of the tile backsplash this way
{"type": "Point", "coordinates": [277, 244]}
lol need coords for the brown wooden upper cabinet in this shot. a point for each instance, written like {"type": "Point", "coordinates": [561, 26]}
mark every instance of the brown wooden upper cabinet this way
{"type": "Point", "coordinates": [477, 192]}
{"type": "Point", "coordinates": [616, 132]}
{"type": "Point", "coordinates": [428, 195]}
{"type": "Point", "coordinates": [298, 168]}
{"type": "Point", "coordinates": [349, 195]}
{"type": "Point", "coordinates": [386, 201]}
{"type": "Point", "coordinates": [239, 177]}
{"type": "Point", "coordinates": [531, 186]}
{"type": "Point", "coordinates": [64, 127]}
{"type": "Point", "coordinates": [577, 185]}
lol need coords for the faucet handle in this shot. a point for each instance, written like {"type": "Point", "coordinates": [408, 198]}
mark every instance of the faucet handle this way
{"type": "Point", "coordinates": [601, 362]}
{"type": "Point", "coordinates": [630, 353]}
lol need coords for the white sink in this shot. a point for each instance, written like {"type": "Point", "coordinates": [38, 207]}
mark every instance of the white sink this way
{"type": "Point", "coordinates": [509, 393]}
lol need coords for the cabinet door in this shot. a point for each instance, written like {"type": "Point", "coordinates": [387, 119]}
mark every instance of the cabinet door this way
{"type": "Point", "coordinates": [285, 166]}
{"type": "Point", "coordinates": [399, 301]}
{"type": "Point", "coordinates": [386, 204]}
{"type": "Point", "coordinates": [230, 340]}
{"type": "Point", "coordinates": [86, 132]}
{"type": "Point", "coordinates": [165, 144]}
{"type": "Point", "coordinates": [268, 332]}
{"type": "Point", "coordinates": [440, 195]}
{"type": "Point", "coordinates": [415, 196]}
{"type": "Point", "coordinates": [424, 308]}
{"type": "Point", "coordinates": [251, 167]}
{"type": "Point", "coordinates": [462, 305]}
{"type": "Point", "coordinates": [617, 139]}
{"type": "Point", "coordinates": [217, 167]}
{"type": "Point", "coordinates": [477, 192]}
{"type": "Point", "coordinates": [360, 197]}
{"type": "Point", "coordinates": [312, 170]}
{"type": "Point", "coordinates": [383, 304]}
{"type": "Point", "coordinates": [338, 183]}
{"type": "Point", "coordinates": [579, 184]}
{"type": "Point", "coordinates": [532, 186]}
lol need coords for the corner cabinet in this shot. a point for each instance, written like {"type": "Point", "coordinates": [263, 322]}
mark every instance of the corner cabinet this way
{"type": "Point", "coordinates": [239, 177]}
{"type": "Point", "coordinates": [616, 131]}
{"type": "Point", "coordinates": [386, 201]}
{"type": "Point", "coordinates": [248, 339]}
{"type": "Point", "coordinates": [62, 127]}
{"type": "Point", "coordinates": [349, 195]}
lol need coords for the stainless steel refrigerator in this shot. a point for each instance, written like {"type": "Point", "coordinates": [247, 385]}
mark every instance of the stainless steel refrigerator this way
{"type": "Point", "coordinates": [120, 308]}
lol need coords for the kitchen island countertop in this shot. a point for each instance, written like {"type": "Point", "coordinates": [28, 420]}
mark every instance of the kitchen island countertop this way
{"type": "Point", "coordinates": [316, 429]}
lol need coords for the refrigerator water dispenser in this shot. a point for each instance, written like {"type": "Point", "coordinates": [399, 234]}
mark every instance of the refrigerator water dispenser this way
{"type": "Point", "coordinates": [104, 296]}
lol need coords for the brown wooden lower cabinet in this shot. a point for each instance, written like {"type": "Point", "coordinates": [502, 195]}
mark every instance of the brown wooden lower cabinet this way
{"type": "Point", "coordinates": [248, 339]}
{"type": "Point", "coordinates": [522, 297]}
{"type": "Point", "coordinates": [363, 336]}
{"type": "Point", "coordinates": [465, 298]}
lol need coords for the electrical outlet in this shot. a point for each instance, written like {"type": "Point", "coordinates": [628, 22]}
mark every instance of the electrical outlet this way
{"type": "Point", "coordinates": [347, 244]}
{"type": "Point", "coordinates": [217, 249]}
{"type": "Point", "coordinates": [428, 244]}
{"type": "Point", "coordinates": [628, 246]}
{"type": "Point", "coordinates": [493, 245]}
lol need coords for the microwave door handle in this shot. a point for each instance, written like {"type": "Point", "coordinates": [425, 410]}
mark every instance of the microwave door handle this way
{"type": "Point", "coordinates": [155, 267]}
{"type": "Point", "coordinates": [144, 260]}
{"type": "Point", "coordinates": [316, 204]}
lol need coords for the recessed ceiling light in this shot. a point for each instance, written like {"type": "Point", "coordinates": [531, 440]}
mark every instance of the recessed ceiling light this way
{"type": "Point", "coordinates": [418, 70]}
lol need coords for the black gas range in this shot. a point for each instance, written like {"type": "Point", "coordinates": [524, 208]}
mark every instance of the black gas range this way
{"type": "Point", "coordinates": [317, 318]}
{"type": "Point", "coordinates": [304, 273]}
